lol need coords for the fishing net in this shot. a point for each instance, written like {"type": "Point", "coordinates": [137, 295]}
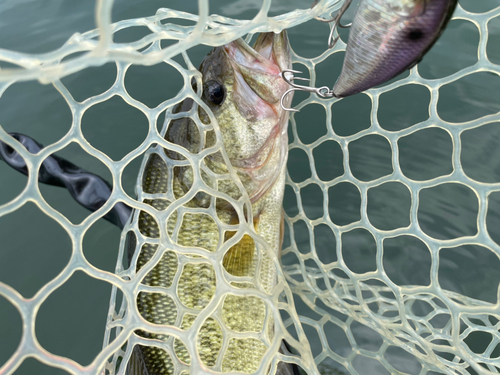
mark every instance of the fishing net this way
{"type": "Point", "coordinates": [350, 293]}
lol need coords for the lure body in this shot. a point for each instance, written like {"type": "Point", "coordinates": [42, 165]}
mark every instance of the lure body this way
{"type": "Point", "coordinates": [388, 37]}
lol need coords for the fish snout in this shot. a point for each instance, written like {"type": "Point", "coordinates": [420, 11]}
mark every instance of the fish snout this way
{"type": "Point", "coordinates": [258, 84]}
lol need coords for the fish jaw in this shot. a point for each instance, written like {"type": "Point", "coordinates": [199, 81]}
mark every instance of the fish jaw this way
{"type": "Point", "coordinates": [257, 71]}
{"type": "Point", "coordinates": [387, 38]}
{"type": "Point", "coordinates": [253, 124]}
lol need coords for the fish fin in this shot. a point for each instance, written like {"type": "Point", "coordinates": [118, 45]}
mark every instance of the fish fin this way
{"type": "Point", "coordinates": [282, 231]}
{"type": "Point", "coordinates": [239, 259]}
{"type": "Point", "coordinates": [136, 364]}
{"type": "Point", "coordinates": [285, 368]}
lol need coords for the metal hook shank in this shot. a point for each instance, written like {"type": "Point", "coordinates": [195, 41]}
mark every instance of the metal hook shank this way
{"type": "Point", "coordinates": [337, 23]}
{"type": "Point", "coordinates": [323, 91]}
{"type": "Point", "coordinates": [283, 98]}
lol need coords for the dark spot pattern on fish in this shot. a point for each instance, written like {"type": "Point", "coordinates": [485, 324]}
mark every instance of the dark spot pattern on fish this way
{"type": "Point", "coordinates": [386, 38]}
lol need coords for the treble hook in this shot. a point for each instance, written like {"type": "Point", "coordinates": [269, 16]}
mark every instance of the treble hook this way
{"type": "Point", "coordinates": [323, 91]}
{"type": "Point", "coordinates": [336, 23]}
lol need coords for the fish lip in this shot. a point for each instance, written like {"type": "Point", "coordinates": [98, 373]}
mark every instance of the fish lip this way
{"type": "Point", "coordinates": [257, 90]}
{"type": "Point", "coordinates": [265, 56]}
{"type": "Point", "coordinates": [258, 70]}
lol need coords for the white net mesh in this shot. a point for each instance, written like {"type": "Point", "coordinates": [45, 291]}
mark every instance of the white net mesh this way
{"type": "Point", "coordinates": [367, 301]}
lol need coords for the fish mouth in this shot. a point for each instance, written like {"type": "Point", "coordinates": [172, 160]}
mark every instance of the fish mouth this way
{"type": "Point", "coordinates": [257, 72]}
{"type": "Point", "coordinates": [270, 53]}
{"type": "Point", "coordinates": [256, 92]}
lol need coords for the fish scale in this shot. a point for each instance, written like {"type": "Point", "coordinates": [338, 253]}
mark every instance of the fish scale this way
{"type": "Point", "coordinates": [196, 286]}
{"type": "Point", "coordinates": [196, 280]}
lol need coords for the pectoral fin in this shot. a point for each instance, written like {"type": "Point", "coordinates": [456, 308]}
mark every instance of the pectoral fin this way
{"type": "Point", "coordinates": [282, 231]}
{"type": "Point", "coordinates": [136, 364]}
{"type": "Point", "coordinates": [284, 368]}
{"type": "Point", "coordinates": [239, 259]}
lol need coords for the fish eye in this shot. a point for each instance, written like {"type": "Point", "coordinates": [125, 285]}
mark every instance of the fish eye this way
{"type": "Point", "coordinates": [214, 92]}
{"type": "Point", "coordinates": [415, 34]}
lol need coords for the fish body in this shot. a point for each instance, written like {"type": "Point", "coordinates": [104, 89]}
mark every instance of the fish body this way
{"type": "Point", "coordinates": [388, 37]}
{"type": "Point", "coordinates": [243, 87]}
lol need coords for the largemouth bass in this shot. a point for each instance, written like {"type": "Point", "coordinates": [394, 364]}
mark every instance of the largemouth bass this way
{"type": "Point", "coordinates": [243, 87]}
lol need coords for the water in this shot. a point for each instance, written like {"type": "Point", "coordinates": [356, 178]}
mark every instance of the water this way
{"type": "Point", "coordinates": [29, 239]}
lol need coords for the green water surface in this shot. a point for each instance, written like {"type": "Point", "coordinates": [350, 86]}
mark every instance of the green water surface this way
{"type": "Point", "coordinates": [34, 248]}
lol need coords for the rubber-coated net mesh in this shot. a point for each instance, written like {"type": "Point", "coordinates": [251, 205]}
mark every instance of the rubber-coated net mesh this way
{"type": "Point", "coordinates": [419, 329]}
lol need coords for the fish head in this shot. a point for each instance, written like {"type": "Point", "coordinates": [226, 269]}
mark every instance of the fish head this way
{"type": "Point", "coordinates": [243, 87]}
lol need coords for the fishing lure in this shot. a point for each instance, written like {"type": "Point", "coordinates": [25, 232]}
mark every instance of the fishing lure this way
{"type": "Point", "coordinates": [387, 37]}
